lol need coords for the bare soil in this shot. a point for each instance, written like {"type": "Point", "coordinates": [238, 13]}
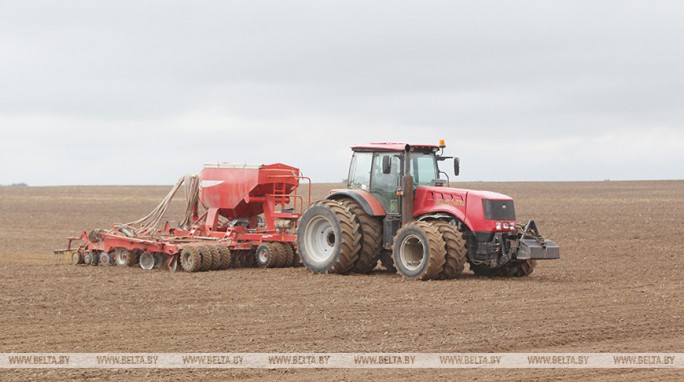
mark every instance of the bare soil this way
{"type": "Point", "coordinates": [617, 288]}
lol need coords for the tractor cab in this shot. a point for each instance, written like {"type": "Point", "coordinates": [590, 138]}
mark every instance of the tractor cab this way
{"type": "Point", "coordinates": [378, 168]}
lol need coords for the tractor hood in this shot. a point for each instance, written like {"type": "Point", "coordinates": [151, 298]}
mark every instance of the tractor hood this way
{"type": "Point", "coordinates": [466, 205]}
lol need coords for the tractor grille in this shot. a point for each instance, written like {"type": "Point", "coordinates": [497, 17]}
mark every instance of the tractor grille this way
{"type": "Point", "coordinates": [498, 209]}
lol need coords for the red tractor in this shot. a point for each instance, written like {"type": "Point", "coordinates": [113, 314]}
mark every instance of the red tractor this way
{"type": "Point", "coordinates": [396, 209]}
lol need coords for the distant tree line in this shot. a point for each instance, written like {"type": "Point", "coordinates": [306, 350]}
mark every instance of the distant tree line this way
{"type": "Point", "coordinates": [14, 185]}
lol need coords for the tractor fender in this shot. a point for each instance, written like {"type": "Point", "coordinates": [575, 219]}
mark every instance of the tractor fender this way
{"type": "Point", "coordinates": [453, 212]}
{"type": "Point", "coordinates": [370, 205]}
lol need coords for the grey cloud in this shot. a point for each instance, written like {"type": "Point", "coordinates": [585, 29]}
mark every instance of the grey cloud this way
{"type": "Point", "coordinates": [175, 84]}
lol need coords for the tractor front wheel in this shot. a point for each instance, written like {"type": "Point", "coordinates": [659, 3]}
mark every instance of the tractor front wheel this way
{"type": "Point", "coordinates": [419, 251]}
{"type": "Point", "coordinates": [516, 268]}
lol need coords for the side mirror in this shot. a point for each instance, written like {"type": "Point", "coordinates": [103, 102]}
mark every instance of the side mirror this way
{"type": "Point", "coordinates": [457, 166]}
{"type": "Point", "coordinates": [386, 164]}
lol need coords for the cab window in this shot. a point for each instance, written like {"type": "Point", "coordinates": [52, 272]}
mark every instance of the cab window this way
{"type": "Point", "coordinates": [360, 171]}
{"type": "Point", "coordinates": [423, 169]}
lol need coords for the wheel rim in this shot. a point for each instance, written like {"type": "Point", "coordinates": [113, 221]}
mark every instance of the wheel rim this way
{"type": "Point", "coordinates": [320, 239]}
{"type": "Point", "coordinates": [146, 261]}
{"type": "Point", "coordinates": [104, 259]}
{"type": "Point", "coordinates": [121, 257]}
{"type": "Point", "coordinates": [262, 256]}
{"type": "Point", "coordinates": [411, 252]}
{"type": "Point", "coordinates": [76, 258]}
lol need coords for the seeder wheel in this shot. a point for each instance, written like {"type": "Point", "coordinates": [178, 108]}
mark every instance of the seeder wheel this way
{"type": "Point", "coordinates": [105, 259]}
{"type": "Point", "coordinates": [147, 261]}
{"type": "Point", "coordinates": [268, 256]}
{"type": "Point", "coordinates": [122, 257]}
{"type": "Point", "coordinates": [76, 258]}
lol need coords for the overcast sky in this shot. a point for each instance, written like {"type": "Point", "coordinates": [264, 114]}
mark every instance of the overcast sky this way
{"type": "Point", "coordinates": [141, 92]}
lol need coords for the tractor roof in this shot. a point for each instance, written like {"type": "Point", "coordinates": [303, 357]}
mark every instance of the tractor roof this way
{"type": "Point", "coordinates": [393, 146]}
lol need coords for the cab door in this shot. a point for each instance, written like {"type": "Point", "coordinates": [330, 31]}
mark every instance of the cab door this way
{"type": "Point", "coordinates": [384, 186]}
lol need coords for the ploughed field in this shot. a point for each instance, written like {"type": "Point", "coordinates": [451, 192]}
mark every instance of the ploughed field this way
{"type": "Point", "coordinates": [617, 288]}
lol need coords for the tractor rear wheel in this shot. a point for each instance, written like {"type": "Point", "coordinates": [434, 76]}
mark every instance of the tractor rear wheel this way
{"type": "Point", "coordinates": [457, 253]}
{"type": "Point", "coordinates": [419, 251]}
{"type": "Point", "coordinates": [516, 268]}
{"type": "Point", "coordinates": [329, 238]}
{"type": "Point", "coordinates": [371, 237]}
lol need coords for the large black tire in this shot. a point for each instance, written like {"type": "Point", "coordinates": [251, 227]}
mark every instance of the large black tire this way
{"type": "Point", "coordinates": [190, 259]}
{"type": "Point", "coordinates": [516, 268]}
{"type": "Point", "coordinates": [371, 238]}
{"type": "Point", "coordinates": [288, 255]}
{"type": "Point", "coordinates": [329, 238]}
{"type": "Point", "coordinates": [226, 256]}
{"type": "Point", "coordinates": [207, 258]}
{"type": "Point", "coordinates": [387, 261]}
{"type": "Point", "coordinates": [457, 253]}
{"type": "Point", "coordinates": [267, 255]}
{"type": "Point", "coordinates": [419, 251]}
{"type": "Point", "coordinates": [216, 261]}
